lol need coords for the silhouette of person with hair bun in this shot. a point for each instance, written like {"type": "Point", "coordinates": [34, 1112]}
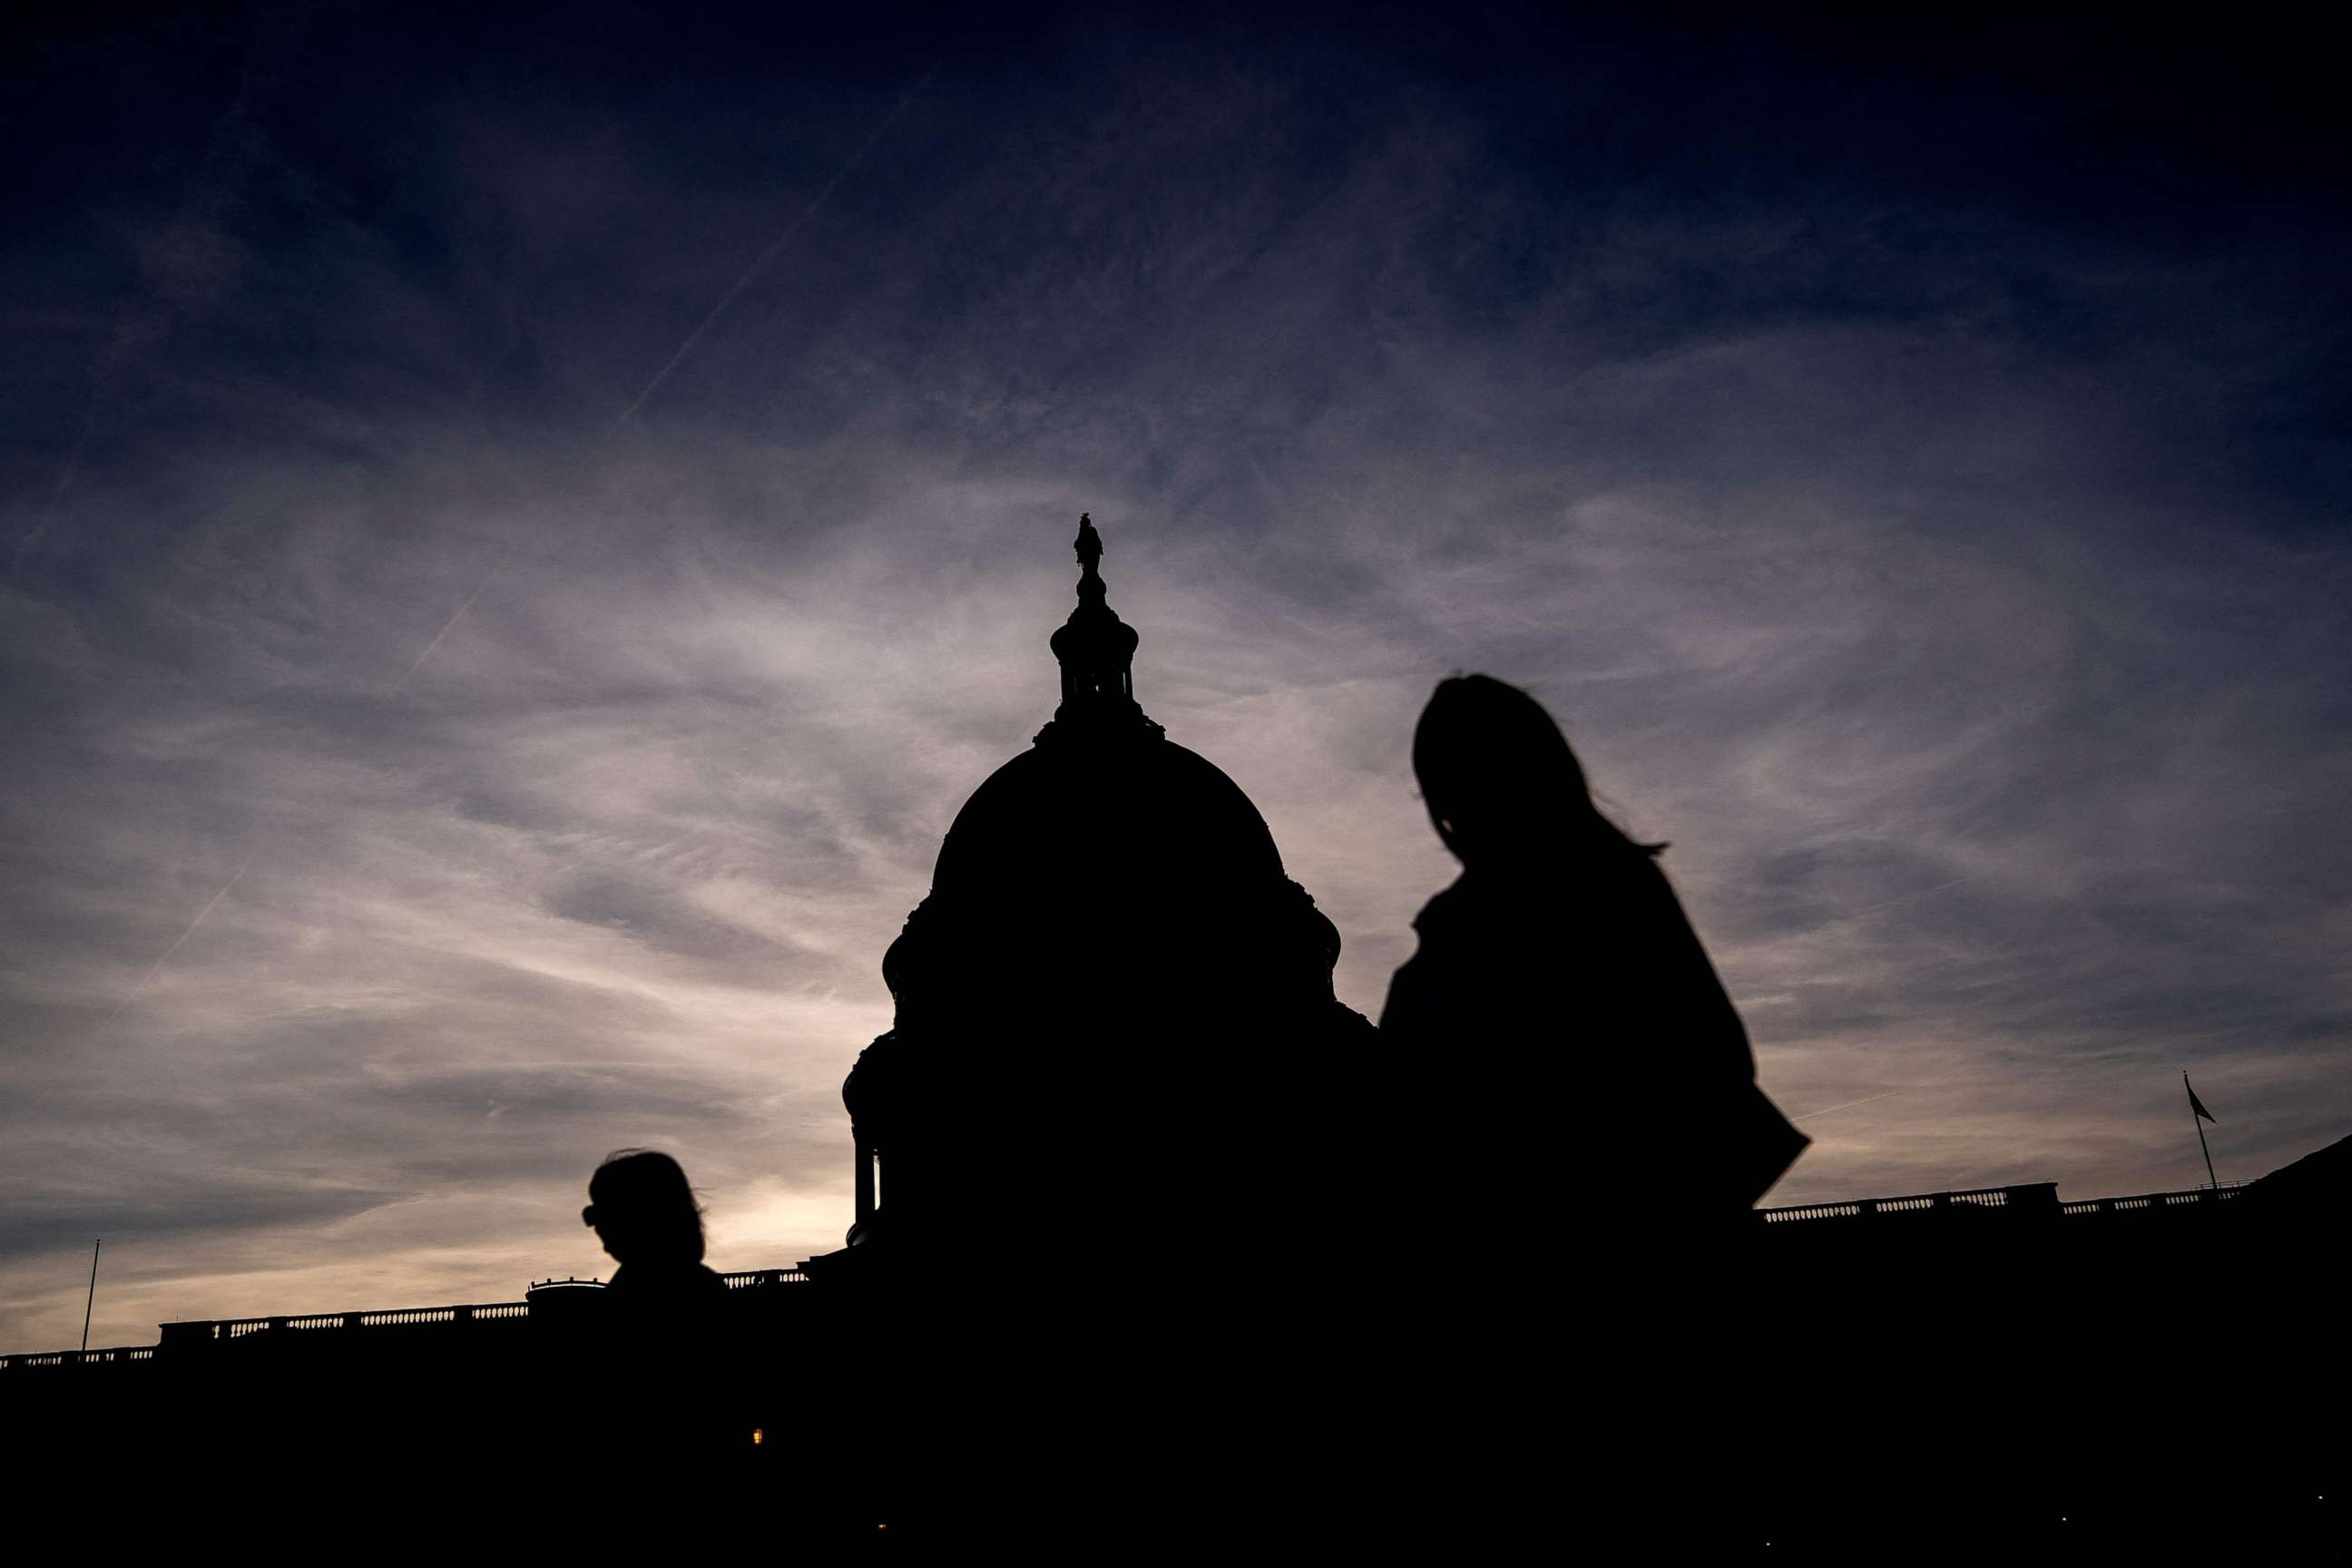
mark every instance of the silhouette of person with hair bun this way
{"type": "Point", "coordinates": [662, 1308]}
{"type": "Point", "coordinates": [642, 1210]}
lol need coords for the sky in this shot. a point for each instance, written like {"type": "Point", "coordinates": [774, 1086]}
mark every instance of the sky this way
{"type": "Point", "coordinates": [517, 535]}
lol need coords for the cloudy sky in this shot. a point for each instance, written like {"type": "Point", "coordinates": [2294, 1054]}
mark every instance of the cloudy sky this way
{"type": "Point", "coordinates": [516, 538]}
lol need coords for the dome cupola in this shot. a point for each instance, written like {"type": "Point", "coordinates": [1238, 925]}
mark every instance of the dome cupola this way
{"type": "Point", "coordinates": [1096, 651]}
{"type": "Point", "coordinates": [1110, 945]}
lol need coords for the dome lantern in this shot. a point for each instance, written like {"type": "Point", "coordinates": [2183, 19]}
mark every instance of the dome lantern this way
{"type": "Point", "coordinates": [1096, 652]}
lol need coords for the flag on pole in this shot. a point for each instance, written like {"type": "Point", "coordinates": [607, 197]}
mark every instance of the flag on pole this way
{"type": "Point", "coordinates": [2196, 1104]}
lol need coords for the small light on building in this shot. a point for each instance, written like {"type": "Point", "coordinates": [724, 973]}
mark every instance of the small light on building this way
{"type": "Point", "coordinates": [759, 1435]}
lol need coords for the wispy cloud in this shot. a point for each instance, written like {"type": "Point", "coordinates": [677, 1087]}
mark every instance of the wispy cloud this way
{"type": "Point", "coordinates": [1882, 546]}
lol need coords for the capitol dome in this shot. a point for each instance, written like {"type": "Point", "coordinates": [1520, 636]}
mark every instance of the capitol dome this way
{"type": "Point", "coordinates": [1054, 807]}
{"type": "Point", "coordinates": [1112, 976]}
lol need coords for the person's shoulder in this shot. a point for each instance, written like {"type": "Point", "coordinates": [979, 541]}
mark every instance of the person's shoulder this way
{"type": "Point", "coordinates": [1644, 867]}
{"type": "Point", "coordinates": [1633, 873]}
{"type": "Point", "coordinates": [1445, 906]}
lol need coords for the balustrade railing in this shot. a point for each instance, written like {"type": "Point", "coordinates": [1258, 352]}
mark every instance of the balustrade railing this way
{"type": "Point", "coordinates": [405, 1315]}
{"type": "Point", "coordinates": [116, 1355]}
{"type": "Point", "coordinates": [764, 1276]}
{"type": "Point", "coordinates": [223, 1330]}
{"type": "Point", "coordinates": [2157, 1201]}
{"type": "Point", "coordinates": [2040, 1197]}
{"type": "Point", "coordinates": [2040, 1194]}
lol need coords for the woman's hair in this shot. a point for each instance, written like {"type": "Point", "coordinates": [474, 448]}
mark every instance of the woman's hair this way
{"type": "Point", "coordinates": [642, 1196]}
{"type": "Point", "coordinates": [1498, 777]}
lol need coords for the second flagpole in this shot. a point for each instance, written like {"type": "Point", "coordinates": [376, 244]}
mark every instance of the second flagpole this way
{"type": "Point", "coordinates": [2198, 1123]}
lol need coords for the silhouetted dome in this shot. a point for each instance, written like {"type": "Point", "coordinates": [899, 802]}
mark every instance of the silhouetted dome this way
{"type": "Point", "coordinates": [1110, 956]}
{"type": "Point", "coordinates": [1115, 1130]}
{"type": "Point", "coordinates": [1171, 813]}
{"type": "Point", "coordinates": [1091, 865]}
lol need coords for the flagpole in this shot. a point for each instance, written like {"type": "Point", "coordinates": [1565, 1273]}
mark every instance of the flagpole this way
{"type": "Point", "coordinates": [93, 1294]}
{"type": "Point", "coordinates": [2199, 1125]}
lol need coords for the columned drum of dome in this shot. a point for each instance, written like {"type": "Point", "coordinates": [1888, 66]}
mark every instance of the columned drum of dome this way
{"type": "Point", "coordinates": [1112, 1010]}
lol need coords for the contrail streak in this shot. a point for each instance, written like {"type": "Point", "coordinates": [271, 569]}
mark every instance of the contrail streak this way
{"type": "Point", "coordinates": [174, 286]}
{"type": "Point", "coordinates": [695, 337]}
{"type": "Point", "coordinates": [773, 251]}
{"type": "Point", "coordinates": [183, 936]}
{"type": "Point", "coordinates": [1916, 893]}
{"type": "Point", "coordinates": [445, 627]}
{"type": "Point", "coordinates": [101, 378]}
{"type": "Point", "coordinates": [1850, 1104]}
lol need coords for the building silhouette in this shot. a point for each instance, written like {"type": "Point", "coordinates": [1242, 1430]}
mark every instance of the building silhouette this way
{"type": "Point", "coordinates": [1118, 1272]}
{"type": "Point", "coordinates": [1105, 905]}
{"type": "Point", "coordinates": [1988, 1365]}
{"type": "Point", "coordinates": [1113, 1007]}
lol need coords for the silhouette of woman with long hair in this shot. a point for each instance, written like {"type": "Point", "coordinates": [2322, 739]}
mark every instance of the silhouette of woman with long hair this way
{"type": "Point", "coordinates": [1561, 971]}
{"type": "Point", "coordinates": [1583, 1181]}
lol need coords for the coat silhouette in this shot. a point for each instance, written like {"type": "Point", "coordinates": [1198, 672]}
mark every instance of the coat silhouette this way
{"type": "Point", "coordinates": [1560, 986]}
{"type": "Point", "coordinates": [1575, 1159]}
{"type": "Point", "coordinates": [664, 1314]}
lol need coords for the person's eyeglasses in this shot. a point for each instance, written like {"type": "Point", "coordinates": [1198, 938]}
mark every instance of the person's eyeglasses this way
{"type": "Point", "coordinates": [588, 1216]}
